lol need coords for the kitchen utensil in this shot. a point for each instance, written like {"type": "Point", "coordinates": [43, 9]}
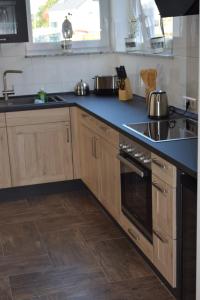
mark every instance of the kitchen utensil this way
{"type": "Point", "coordinates": [149, 77]}
{"type": "Point", "coordinates": [157, 105]}
{"type": "Point", "coordinates": [82, 89]}
{"type": "Point", "coordinates": [106, 85]}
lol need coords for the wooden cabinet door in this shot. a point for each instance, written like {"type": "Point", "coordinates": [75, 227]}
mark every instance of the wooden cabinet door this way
{"type": "Point", "coordinates": [89, 162]}
{"type": "Point", "coordinates": [164, 207]}
{"type": "Point", "coordinates": [164, 257]}
{"type": "Point", "coordinates": [110, 192]}
{"type": "Point", "coordinates": [5, 178]}
{"type": "Point", "coordinates": [40, 153]}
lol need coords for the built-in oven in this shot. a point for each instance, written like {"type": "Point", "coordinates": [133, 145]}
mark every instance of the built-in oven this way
{"type": "Point", "coordinates": [136, 185]}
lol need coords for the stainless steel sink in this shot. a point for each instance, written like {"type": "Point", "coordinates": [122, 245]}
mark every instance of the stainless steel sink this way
{"type": "Point", "coordinates": [31, 100]}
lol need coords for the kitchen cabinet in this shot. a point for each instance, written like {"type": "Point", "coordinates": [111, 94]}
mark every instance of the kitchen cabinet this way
{"type": "Point", "coordinates": [39, 153]}
{"type": "Point", "coordinates": [109, 179]}
{"type": "Point", "coordinates": [165, 257]}
{"type": "Point", "coordinates": [164, 180]}
{"type": "Point", "coordinates": [5, 178]}
{"type": "Point", "coordinates": [13, 21]}
{"type": "Point", "coordinates": [99, 165]}
{"type": "Point", "coordinates": [89, 162]}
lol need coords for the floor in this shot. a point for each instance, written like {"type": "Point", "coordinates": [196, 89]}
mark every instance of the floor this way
{"type": "Point", "coordinates": [64, 246]}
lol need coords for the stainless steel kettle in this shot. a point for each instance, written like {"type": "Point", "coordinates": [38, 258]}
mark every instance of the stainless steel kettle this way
{"type": "Point", "coordinates": [81, 89]}
{"type": "Point", "coordinates": [157, 105]}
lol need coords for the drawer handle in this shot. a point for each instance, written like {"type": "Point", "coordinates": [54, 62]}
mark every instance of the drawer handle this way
{"type": "Point", "coordinates": [157, 187]}
{"type": "Point", "coordinates": [103, 128]}
{"type": "Point", "coordinates": [84, 116]}
{"type": "Point", "coordinates": [160, 237]}
{"type": "Point", "coordinates": [68, 135]}
{"type": "Point", "coordinates": [159, 164]}
{"type": "Point", "coordinates": [136, 238]}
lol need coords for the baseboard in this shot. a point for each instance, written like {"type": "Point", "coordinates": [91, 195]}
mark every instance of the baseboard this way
{"type": "Point", "coordinates": [41, 189]}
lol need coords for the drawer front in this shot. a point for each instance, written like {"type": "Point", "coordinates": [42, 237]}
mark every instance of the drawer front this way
{"type": "Point", "coordinates": [2, 120]}
{"type": "Point", "coordinates": [37, 116]}
{"type": "Point", "coordinates": [102, 129]}
{"type": "Point", "coordinates": [163, 169]}
{"type": "Point", "coordinates": [164, 207]}
{"type": "Point", "coordinates": [137, 237]}
{"type": "Point", "coordinates": [164, 257]}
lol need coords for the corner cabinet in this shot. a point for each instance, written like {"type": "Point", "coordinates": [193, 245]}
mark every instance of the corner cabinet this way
{"type": "Point", "coordinates": [40, 146]}
{"type": "Point", "coordinates": [13, 23]}
{"type": "Point", "coordinates": [5, 178]}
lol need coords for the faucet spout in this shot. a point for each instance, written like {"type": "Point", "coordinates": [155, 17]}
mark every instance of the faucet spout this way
{"type": "Point", "coordinates": [6, 92]}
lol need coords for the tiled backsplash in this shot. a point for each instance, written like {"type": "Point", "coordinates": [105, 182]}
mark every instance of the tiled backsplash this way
{"type": "Point", "coordinates": [178, 76]}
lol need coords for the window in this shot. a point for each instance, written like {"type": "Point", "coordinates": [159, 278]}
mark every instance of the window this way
{"type": "Point", "coordinates": [89, 19]}
{"type": "Point", "coordinates": [152, 30]}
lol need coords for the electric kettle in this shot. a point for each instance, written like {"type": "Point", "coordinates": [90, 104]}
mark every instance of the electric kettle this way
{"type": "Point", "coordinates": [157, 105]}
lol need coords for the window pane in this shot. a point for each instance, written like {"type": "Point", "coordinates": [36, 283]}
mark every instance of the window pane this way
{"type": "Point", "coordinates": [153, 20]}
{"type": "Point", "coordinates": [49, 15]}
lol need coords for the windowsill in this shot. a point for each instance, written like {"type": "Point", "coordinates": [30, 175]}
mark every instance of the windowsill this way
{"type": "Point", "coordinates": [143, 53]}
{"type": "Point", "coordinates": [55, 53]}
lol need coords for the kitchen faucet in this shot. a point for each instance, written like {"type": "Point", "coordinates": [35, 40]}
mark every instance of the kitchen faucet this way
{"type": "Point", "coordinates": [6, 92]}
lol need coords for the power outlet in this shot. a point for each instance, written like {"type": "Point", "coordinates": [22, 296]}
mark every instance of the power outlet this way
{"type": "Point", "coordinates": [191, 104]}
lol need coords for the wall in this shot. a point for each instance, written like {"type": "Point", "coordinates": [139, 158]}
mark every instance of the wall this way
{"type": "Point", "coordinates": [54, 74]}
{"type": "Point", "coordinates": [179, 75]}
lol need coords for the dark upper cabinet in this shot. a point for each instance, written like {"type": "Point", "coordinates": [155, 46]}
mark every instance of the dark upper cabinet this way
{"type": "Point", "coordinates": [173, 8]}
{"type": "Point", "coordinates": [13, 21]}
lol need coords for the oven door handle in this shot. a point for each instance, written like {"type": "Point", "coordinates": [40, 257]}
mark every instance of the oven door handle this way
{"type": "Point", "coordinates": [131, 166]}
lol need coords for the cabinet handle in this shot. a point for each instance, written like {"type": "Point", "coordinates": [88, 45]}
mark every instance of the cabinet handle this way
{"type": "Point", "coordinates": [136, 238]}
{"type": "Point", "coordinates": [95, 147]}
{"type": "Point", "coordinates": [159, 236]}
{"type": "Point", "coordinates": [104, 128]}
{"type": "Point", "coordinates": [68, 135]}
{"type": "Point", "coordinates": [3, 39]}
{"type": "Point", "coordinates": [159, 164]}
{"type": "Point", "coordinates": [84, 116]}
{"type": "Point", "coordinates": [93, 154]}
{"type": "Point", "coordinates": [161, 190]}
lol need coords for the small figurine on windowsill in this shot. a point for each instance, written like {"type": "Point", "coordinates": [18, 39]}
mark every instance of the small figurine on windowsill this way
{"type": "Point", "coordinates": [67, 32]}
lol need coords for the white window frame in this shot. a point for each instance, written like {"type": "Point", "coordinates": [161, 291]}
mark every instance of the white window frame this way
{"type": "Point", "coordinates": [102, 44]}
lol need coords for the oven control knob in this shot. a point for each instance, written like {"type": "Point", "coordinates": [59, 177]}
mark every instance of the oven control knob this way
{"type": "Point", "coordinates": [147, 161]}
{"type": "Point", "coordinates": [142, 158]}
{"type": "Point", "coordinates": [138, 155]}
{"type": "Point", "coordinates": [130, 150]}
{"type": "Point", "coordinates": [125, 147]}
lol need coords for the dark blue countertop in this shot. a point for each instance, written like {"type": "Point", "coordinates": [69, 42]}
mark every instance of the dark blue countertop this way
{"type": "Point", "coordinates": [182, 153]}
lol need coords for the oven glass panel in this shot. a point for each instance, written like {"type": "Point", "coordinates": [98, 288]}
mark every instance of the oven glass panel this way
{"type": "Point", "coordinates": [8, 24]}
{"type": "Point", "coordinates": [137, 198]}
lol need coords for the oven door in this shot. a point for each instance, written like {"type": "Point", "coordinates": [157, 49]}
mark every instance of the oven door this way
{"type": "Point", "coordinates": [136, 194]}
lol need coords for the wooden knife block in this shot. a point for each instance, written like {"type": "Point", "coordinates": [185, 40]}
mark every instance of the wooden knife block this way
{"type": "Point", "coordinates": [127, 93]}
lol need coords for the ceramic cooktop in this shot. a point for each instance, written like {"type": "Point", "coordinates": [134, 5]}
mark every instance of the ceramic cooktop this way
{"type": "Point", "coordinates": [167, 130]}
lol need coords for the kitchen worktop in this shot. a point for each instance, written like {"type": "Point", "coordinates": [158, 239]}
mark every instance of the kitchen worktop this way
{"type": "Point", "coordinates": [182, 153]}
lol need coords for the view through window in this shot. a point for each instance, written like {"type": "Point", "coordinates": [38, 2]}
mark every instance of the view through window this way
{"type": "Point", "coordinates": [49, 15]}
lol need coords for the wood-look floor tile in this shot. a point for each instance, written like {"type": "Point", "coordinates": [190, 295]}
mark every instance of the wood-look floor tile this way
{"type": "Point", "coordinates": [58, 223]}
{"type": "Point", "coordinates": [81, 201]}
{"type": "Point", "coordinates": [120, 261]}
{"type": "Point", "coordinates": [12, 208]}
{"type": "Point", "coordinates": [5, 290]}
{"type": "Point", "coordinates": [148, 288]}
{"type": "Point", "coordinates": [28, 286]}
{"type": "Point", "coordinates": [20, 264]}
{"type": "Point", "coordinates": [48, 203]}
{"type": "Point", "coordinates": [100, 232]}
{"type": "Point", "coordinates": [67, 249]}
{"type": "Point", "coordinates": [21, 238]}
